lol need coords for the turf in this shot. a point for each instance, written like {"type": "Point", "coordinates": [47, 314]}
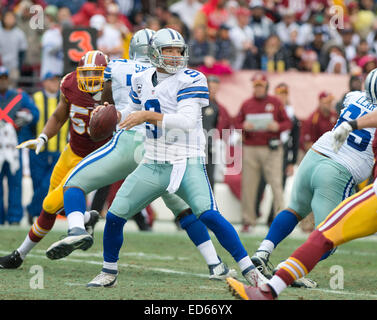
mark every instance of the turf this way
{"type": "Point", "coordinates": [167, 266]}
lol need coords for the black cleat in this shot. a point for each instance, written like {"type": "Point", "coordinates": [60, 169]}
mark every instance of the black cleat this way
{"type": "Point", "coordinates": [89, 226]}
{"type": "Point", "coordinates": [11, 261]}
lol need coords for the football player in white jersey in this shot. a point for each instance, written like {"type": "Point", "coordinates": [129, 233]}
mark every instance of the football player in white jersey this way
{"type": "Point", "coordinates": [324, 178]}
{"type": "Point", "coordinates": [116, 160]}
{"type": "Point", "coordinates": [168, 98]}
{"type": "Point", "coordinates": [354, 218]}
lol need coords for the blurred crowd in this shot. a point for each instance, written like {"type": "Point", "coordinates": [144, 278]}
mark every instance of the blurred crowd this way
{"type": "Point", "coordinates": [224, 35]}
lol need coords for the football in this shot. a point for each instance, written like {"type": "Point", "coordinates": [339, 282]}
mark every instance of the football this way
{"type": "Point", "coordinates": [103, 123]}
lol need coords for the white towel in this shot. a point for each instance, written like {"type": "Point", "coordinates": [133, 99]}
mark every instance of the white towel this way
{"type": "Point", "coordinates": [176, 175]}
{"type": "Point", "coordinates": [8, 151]}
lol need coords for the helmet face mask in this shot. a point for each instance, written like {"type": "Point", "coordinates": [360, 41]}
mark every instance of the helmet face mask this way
{"type": "Point", "coordinates": [163, 39]}
{"type": "Point", "coordinates": [90, 71]}
{"type": "Point", "coordinates": [139, 45]}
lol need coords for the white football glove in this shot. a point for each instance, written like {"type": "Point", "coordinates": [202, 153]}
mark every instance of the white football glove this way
{"type": "Point", "coordinates": [36, 144]}
{"type": "Point", "coordinates": [340, 135]}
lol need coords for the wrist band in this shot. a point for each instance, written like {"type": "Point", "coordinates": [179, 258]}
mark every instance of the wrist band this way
{"type": "Point", "coordinates": [353, 124]}
{"type": "Point", "coordinates": [43, 137]}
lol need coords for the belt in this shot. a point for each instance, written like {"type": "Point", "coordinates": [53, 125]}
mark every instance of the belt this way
{"type": "Point", "coordinates": [320, 153]}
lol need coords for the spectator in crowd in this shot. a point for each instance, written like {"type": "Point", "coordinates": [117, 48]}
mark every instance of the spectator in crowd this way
{"type": "Point", "coordinates": [176, 23]}
{"type": "Point", "coordinates": [349, 41]}
{"type": "Point", "coordinates": [289, 138]}
{"type": "Point", "coordinates": [261, 25]}
{"type": "Point", "coordinates": [87, 10]}
{"type": "Point", "coordinates": [320, 121]}
{"type": "Point", "coordinates": [367, 64]}
{"type": "Point", "coordinates": [364, 18]}
{"type": "Point", "coordinates": [224, 49]}
{"type": "Point", "coordinates": [242, 37]}
{"type": "Point", "coordinates": [52, 44]}
{"type": "Point", "coordinates": [109, 39]}
{"type": "Point", "coordinates": [186, 10]}
{"type": "Point", "coordinates": [162, 13]}
{"type": "Point", "coordinates": [355, 84]}
{"type": "Point", "coordinates": [201, 50]}
{"type": "Point", "coordinates": [127, 7]}
{"type": "Point", "coordinates": [262, 118]}
{"type": "Point", "coordinates": [64, 17]}
{"type": "Point", "coordinates": [362, 50]}
{"type": "Point", "coordinates": [287, 29]}
{"type": "Point", "coordinates": [215, 116]}
{"type": "Point", "coordinates": [337, 62]}
{"type": "Point", "coordinates": [41, 165]}
{"type": "Point", "coordinates": [32, 62]}
{"type": "Point", "coordinates": [212, 15]}
{"type": "Point", "coordinates": [18, 110]}
{"type": "Point", "coordinates": [232, 7]}
{"type": "Point", "coordinates": [153, 23]}
{"type": "Point", "coordinates": [13, 45]}
{"type": "Point", "coordinates": [274, 56]}
{"type": "Point", "coordinates": [74, 5]}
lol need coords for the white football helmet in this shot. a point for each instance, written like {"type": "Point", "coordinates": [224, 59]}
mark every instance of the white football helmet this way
{"type": "Point", "coordinates": [139, 45]}
{"type": "Point", "coordinates": [370, 86]}
{"type": "Point", "coordinates": [164, 38]}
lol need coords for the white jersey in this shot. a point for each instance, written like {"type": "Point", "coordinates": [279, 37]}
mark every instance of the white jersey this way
{"type": "Point", "coordinates": [120, 72]}
{"type": "Point", "coordinates": [356, 154]}
{"type": "Point", "coordinates": [185, 88]}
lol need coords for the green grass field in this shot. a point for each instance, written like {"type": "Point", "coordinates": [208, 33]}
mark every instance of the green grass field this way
{"type": "Point", "coordinates": [167, 266]}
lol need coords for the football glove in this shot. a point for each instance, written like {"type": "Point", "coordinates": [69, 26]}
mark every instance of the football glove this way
{"type": "Point", "coordinates": [340, 135]}
{"type": "Point", "coordinates": [36, 144]}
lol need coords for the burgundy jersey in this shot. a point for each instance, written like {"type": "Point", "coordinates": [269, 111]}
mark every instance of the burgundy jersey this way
{"type": "Point", "coordinates": [81, 105]}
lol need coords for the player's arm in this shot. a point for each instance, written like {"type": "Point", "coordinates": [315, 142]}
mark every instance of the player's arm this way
{"type": "Point", "coordinates": [342, 132]}
{"type": "Point", "coordinates": [107, 93]}
{"type": "Point", "coordinates": [52, 127]}
{"type": "Point", "coordinates": [367, 121]}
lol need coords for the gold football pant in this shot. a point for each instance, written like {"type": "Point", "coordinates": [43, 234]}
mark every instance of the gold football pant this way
{"type": "Point", "coordinates": [355, 217]}
{"type": "Point", "coordinates": [54, 201]}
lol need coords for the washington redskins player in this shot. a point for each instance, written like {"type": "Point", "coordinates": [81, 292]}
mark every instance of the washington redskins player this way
{"type": "Point", "coordinates": [80, 93]}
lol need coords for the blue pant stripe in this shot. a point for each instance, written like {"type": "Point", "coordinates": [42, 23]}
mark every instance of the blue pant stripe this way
{"type": "Point", "coordinates": [348, 188]}
{"type": "Point", "coordinates": [96, 155]}
{"type": "Point", "coordinates": [213, 203]}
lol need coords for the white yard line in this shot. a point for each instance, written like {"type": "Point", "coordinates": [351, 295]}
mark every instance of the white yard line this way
{"type": "Point", "coordinates": [171, 271]}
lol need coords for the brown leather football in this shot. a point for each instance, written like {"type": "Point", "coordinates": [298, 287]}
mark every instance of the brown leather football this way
{"type": "Point", "coordinates": [103, 123]}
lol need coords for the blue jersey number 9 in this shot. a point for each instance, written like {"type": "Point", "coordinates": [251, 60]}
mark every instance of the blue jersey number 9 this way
{"type": "Point", "coordinates": [153, 132]}
{"type": "Point", "coordinates": [358, 139]}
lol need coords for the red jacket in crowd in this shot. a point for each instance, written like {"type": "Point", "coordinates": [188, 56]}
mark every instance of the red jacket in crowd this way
{"type": "Point", "coordinates": [269, 104]}
{"type": "Point", "coordinates": [315, 126]}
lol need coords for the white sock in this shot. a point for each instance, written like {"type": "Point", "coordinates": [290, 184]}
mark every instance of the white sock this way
{"type": "Point", "coordinates": [110, 265]}
{"type": "Point", "coordinates": [86, 217]}
{"type": "Point", "coordinates": [208, 252]}
{"type": "Point", "coordinates": [277, 284]}
{"type": "Point", "coordinates": [26, 247]}
{"type": "Point", "coordinates": [267, 245]}
{"type": "Point", "coordinates": [76, 220]}
{"type": "Point", "coordinates": [244, 263]}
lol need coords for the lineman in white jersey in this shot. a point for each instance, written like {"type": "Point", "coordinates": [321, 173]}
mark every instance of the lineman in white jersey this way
{"type": "Point", "coordinates": [324, 179]}
{"type": "Point", "coordinates": [116, 160]}
{"type": "Point", "coordinates": [169, 98]}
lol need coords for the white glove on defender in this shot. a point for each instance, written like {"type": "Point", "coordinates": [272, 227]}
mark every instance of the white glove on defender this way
{"type": "Point", "coordinates": [340, 135]}
{"type": "Point", "coordinates": [36, 144]}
